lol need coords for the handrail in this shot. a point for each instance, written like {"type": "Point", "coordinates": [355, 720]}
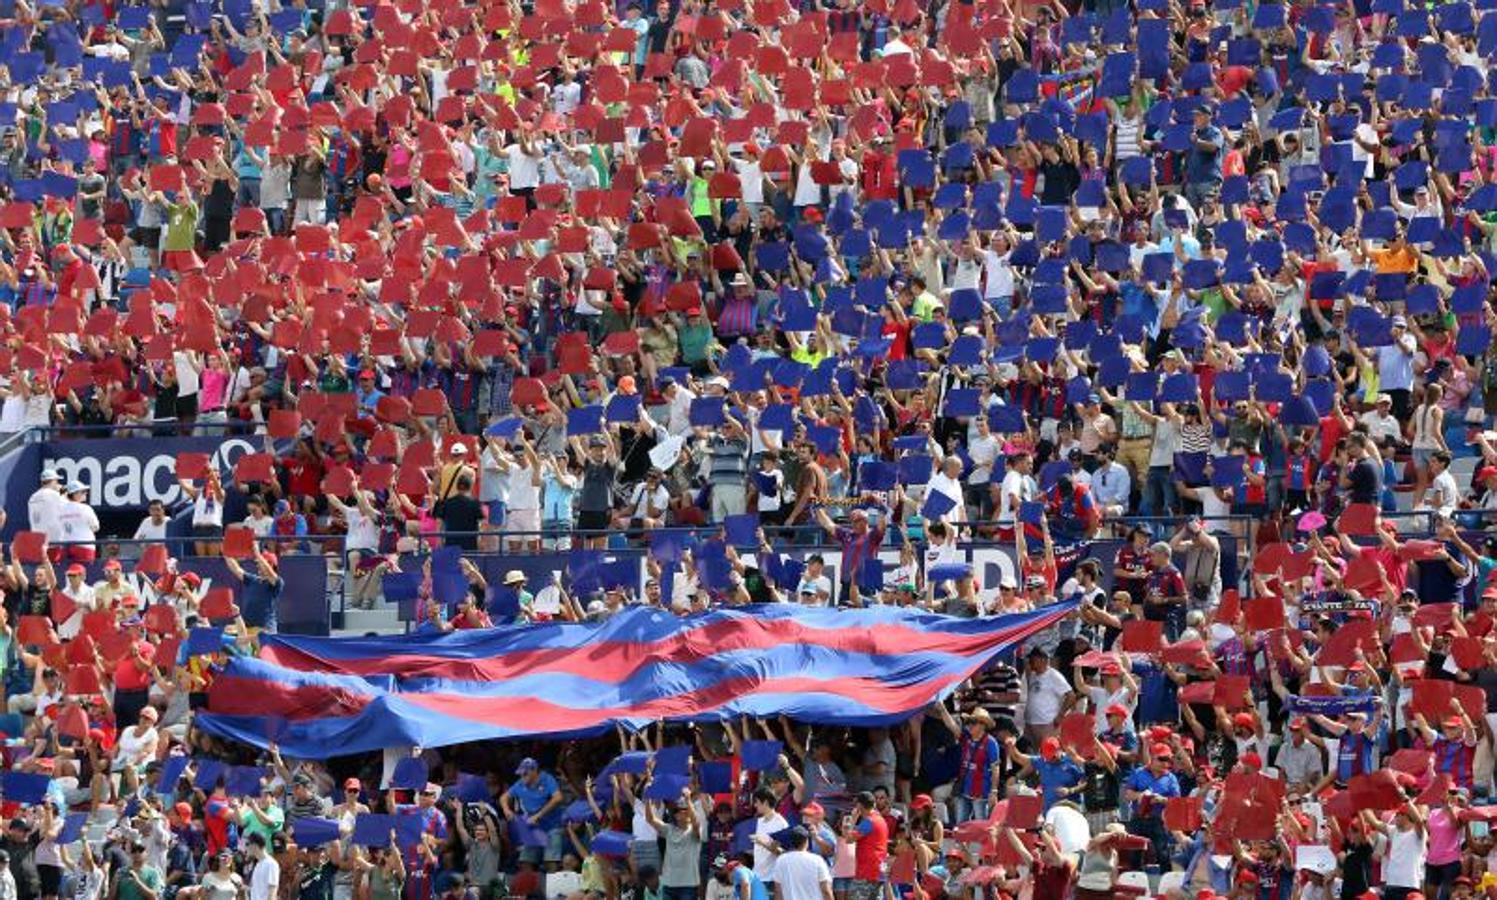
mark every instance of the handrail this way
{"type": "Point", "coordinates": [110, 428]}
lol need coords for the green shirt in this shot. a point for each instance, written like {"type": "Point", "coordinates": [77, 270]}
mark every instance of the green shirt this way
{"type": "Point", "coordinates": [181, 226]}
{"type": "Point", "coordinates": [695, 339]}
{"type": "Point", "coordinates": [925, 304]}
{"type": "Point", "coordinates": [149, 875]}
{"type": "Point", "coordinates": [253, 825]}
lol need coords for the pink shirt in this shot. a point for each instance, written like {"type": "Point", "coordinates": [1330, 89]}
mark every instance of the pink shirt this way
{"type": "Point", "coordinates": [211, 387]}
{"type": "Point", "coordinates": [1444, 838]}
{"type": "Point", "coordinates": [398, 167]}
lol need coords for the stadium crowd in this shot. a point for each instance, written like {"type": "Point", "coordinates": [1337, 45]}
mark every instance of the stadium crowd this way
{"type": "Point", "coordinates": [1209, 282]}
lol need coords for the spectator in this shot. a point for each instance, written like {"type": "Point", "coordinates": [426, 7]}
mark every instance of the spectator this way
{"type": "Point", "coordinates": [261, 592]}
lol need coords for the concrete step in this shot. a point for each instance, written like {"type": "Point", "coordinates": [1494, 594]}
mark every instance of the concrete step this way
{"type": "Point", "coordinates": [381, 620]}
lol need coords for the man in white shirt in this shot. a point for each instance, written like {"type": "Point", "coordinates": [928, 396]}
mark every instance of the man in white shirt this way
{"type": "Point", "coordinates": [77, 523]}
{"type": "Point", "coordinates": [948, 481]}
{"type": "Point", "coordinates": [44, 508]}
{"type": "Point", "coordinates": [800, 874]}
{"type": "Point", "coordinates": [1018, 487]}
{"type": "Point", "coordinates": [894, 45]}
{"type": "Point", "coordinates": [265, 879]}
{"type": "Point", "coordinates": [82, 595]}
{"type": "Point", "coordinates": [1111, 485]}
{"type": "Point", "coordinates": [524, 163]}
{"type": "Point", "coordinates": [153, 526]}
{"type": "Point", "coordinates": [1047, 693]}
{"type": "Point", "coordinates": [768, 822]}
{"type": "Point", "coordinates": [1381, 422]}
{"type": "Point", "coordinates": [678, 405]}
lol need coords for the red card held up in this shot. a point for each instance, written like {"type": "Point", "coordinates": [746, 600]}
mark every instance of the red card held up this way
{"type": "Point", "coordinates": [1185, 653]}
{"type": "Point", "coordinates": [1230, 691]}
{"type": "Point", "coordinates": [1142, 636]}
{"type": "Point", "coordinates": [83, 681]}
{"type": "Point", "coordinates": [1078, 733]}
{"type": "Point", "coordinates": [412, 481]}
{"type": "Point", "coordinates": [1467, 652]}
{"type": "Point", "coordinates": [1182, 814]}
{"type": "Point", "coordinates": [390, 408]}
{"type": "Point", "coordinates": [1377, 791]}
{"type": "Point", "coordinates": [99, 623]}
{"type": "Point", "coordinates": [1435, 793]}
{"type": "Point", "coordinates": [63, 607]}
{"type": "Point", "coordinates": [1230, 608]}
{"type": "Point", "coordinates": [255, 467]}
{"type": "Point", "coordinates": [376, 476]}
{"type": "Point", "coordinates": [338, 481]}
{"type": "Point", "coordinates": [1358, 519]}
{"type": "Point", "coordinates": [115, 646]}
{"type": "Point", "coordinates": [1264, 613]}
{"type": "Point", "coordinates": [217, 603]}
{"type": "Point", "coordinates": [1411, 761]}
{"type": "Point", "coordinates": [239, 542]}
{"type": "Point", "coordinates": [161, 619]}
{"type": "Point", "coordinates": [1024, 812]}
{"type": "Point", "coordinates": [1432, 699]}
{"type": "Point", "coordinates": [80, 650]}
{"type": "Point", "coordinates": [192, 466]}
{"type": "Point", "coordinates": [1270, 557]}
{"type": "Point", "coordinates": [283, 424]}
{"type": "Point", "coordinates": [73, 722]}
{"type": "Point", "coordinates": [1198, 692]}
{"type": "Point", "coordinates": [428, 402]}
{"type": "Point", "coordinates": [34, 631]}
{"type": "Point", "coordinates": [28, 546]}
{"type": "Point", "coordinates": [1435, 615]}
{"type": "Point", "coordinates": [1363, 575]}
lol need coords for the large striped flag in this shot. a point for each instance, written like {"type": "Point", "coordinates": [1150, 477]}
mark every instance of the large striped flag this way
{"type": "Point", "coordinates": [320, 697]}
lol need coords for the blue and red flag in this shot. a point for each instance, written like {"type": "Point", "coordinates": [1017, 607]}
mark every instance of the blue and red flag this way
{"type": "Point", "coordinates": [318, 697]}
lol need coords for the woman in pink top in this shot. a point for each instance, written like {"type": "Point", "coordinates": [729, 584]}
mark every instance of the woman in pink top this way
{"type": "Point", "coordinates": [398, 167]}
{"type": "Point", "coordinates": [213, 388]}
{"type": "Point", "coordinates": [1443, 862]}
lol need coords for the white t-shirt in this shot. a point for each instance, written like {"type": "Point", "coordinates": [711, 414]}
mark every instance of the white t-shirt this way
{"type": "Point", "coordinates": [678, 420]}
{"type": "Point", "coordinates": [1101, 699]}
{"type": "Point", "coordinates": [260, 525]}
{"type": "Point", "coordinates": [764, 860]}
{"type": "Point", "coordinates": [207, 512]}
{"type": "Point", "coordinates": [640, 825]}
{"type": "Point", "coordinates": [524, 170]}
{"type": "Point", "coordinates": [523, 493]}
{"type": "Point", "coordinates": [77, 522]}
{"type": "Point", "coordinates": [1213, 507]}
{"type": "Point", "coordinates": [800, 875]}
{"type": "Point", "coordinates": [363, 531]}
{"type": "Point", "coordinates": [983, 451]}
{"type": "Point", "coordinates": [44, 510]}
{"type": "Point", "coordinates": [999, 275]}
{"type": "Point", "coordinates": [645, 499]}
{"type": "Point", "coordinates": [12, 414]}
{"type": "Point", "coordinates": [945, 484]}
{"type": "Point", "coordinates": [1443, 494]}
{"type": "Point", "coordinates": [750, 180]}
{"type": "Point", "coordinates": [149, 530]}
{"type": "Point", "coordinates": [187, 374]}
{"type": "Point", "coordinates": [265, 880]}
{"type": "Point", "coordinates": [1046, 692]}
{"type": "Point", "coordinates": [1015, 483]}
{"type": "Point", "coordinates": [1404, 864]}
